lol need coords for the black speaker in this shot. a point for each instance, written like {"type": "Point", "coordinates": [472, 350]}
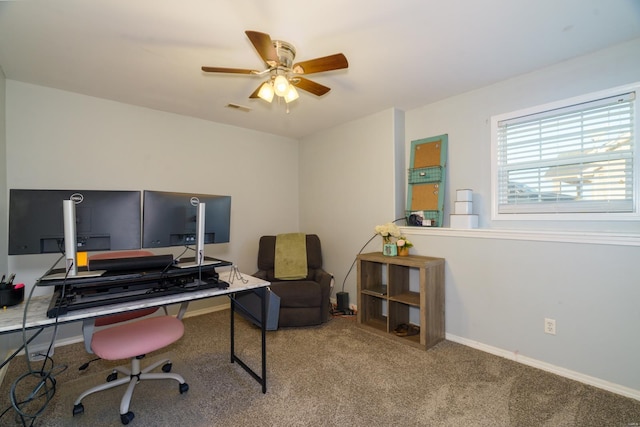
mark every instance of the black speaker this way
{"type": "Point", "coordinates": [132, 263]}
{"type": "Point", "coordinates": [343, 301]}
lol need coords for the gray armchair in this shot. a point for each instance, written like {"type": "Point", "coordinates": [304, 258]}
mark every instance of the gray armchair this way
{"type": "Point", "coordinates": [303, 302]}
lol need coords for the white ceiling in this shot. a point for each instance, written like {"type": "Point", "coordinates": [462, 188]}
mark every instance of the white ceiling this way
{"type": "Point", "coordinates": [401, 53]}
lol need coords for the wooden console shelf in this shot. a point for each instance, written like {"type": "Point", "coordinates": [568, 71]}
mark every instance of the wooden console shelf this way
{"type": "Point", "coordinates": [386, 295]}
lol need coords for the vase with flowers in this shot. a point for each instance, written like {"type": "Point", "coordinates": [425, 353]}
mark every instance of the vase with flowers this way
{"type": "Point", "coordinates": [388, 232]}
{"type": "Point", "coordinates": [403, 245]}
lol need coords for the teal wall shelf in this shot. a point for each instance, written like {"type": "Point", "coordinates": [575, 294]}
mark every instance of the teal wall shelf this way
{"type": "Point", "coordinates": [426, 179]}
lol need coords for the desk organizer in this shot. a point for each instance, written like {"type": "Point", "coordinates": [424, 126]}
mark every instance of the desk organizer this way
{"type": "Point", "coordinates": [12, 296]}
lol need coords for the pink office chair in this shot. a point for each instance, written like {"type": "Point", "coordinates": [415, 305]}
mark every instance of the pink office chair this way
{"type": "Point", "coordinates": [131, 339]}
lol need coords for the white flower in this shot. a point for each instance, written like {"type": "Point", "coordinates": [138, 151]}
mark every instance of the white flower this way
{"type": "Point", "coordinates": [388, 230]}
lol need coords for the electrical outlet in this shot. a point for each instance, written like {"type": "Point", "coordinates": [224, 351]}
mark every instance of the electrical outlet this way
{"type": "Point", "coordinates": [36, 356]}
{"type": "Point", "coordinates": [39, 353]}
{"type": "Point", "coordinates": [550, 326]}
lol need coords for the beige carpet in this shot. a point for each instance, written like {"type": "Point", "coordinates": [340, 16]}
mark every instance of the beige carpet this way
{"type": "Point", "coordinates": [334, 374]}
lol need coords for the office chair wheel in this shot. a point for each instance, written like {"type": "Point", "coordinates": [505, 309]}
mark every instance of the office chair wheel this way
{"type": "Point", "coordinates": [126, 418]}
{"type": "Point", "coordinates": [112, 376]}
{"type": "Point", "coordinates": [167, 367]}
{"type": "Point", "coordinates": [184, 387]}
{"type": "Point", "coordinates": [78, 409]}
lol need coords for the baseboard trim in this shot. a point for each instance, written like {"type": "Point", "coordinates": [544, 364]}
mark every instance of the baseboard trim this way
{"type": "Point", "coordinates": [207, 310]}
{"type": "Point", "coordinates": [563, 372]}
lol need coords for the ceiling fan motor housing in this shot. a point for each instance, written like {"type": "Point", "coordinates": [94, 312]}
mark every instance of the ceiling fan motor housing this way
{"type": "Point", "coordinates": [286, 53]}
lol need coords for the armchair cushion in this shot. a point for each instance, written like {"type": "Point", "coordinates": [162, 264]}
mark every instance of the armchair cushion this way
{"type": "Point", "coordinates": [298, 293]}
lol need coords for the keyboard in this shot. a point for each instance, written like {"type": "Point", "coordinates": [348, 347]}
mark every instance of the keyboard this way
{"type": "Point", "coordinates": [81, 300]}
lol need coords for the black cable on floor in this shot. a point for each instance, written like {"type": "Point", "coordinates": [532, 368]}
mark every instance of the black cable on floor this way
{"type": "Point", "coordinates": [45, 386]}
{"type": "Point", "coordinates": [360, 251]}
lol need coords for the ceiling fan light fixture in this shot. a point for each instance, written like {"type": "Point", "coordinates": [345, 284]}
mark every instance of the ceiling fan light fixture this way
{"type": "Point", "coordinates": [266, 92]}
{"type": "Point", "coordinates": [283, 72]}
{"type": "Point", "coordinates": [291, 95]}
{"type": "Point", "coordinates": [281, 85]}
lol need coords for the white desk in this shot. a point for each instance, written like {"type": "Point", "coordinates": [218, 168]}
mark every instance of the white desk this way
{"type": "Point", "coordinates": [11, 318]}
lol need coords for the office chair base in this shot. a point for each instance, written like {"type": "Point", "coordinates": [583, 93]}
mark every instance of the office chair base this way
{"type": "Point", "coordinates": [126, 418]}
{"type": "Point", "coordinates": [132, 378]}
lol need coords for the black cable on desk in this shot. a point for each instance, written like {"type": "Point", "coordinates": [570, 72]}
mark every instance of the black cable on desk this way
{"type": "Point", "coordinates": [186, 248]}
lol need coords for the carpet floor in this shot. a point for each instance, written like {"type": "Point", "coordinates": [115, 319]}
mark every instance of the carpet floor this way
{"type": "Point", "coordinates": [334, 374]}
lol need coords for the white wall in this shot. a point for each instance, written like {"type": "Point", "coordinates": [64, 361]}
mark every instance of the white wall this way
{"type": "Point", "coordinates": [348, 186]}
{"type": "Point", "coordinates": [57, 139]}
{"type": "Point", "coordinates": [498, 291]}
{"type": "Point", "coordinates": [466, 119]}
{"type": "Point", "coordinates": [3, 179]}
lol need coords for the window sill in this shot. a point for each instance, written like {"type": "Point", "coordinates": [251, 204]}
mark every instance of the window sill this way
{"type": "Point", "coordinates": [617, 239]}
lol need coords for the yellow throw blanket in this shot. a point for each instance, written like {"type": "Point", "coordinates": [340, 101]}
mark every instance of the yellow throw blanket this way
{"type": "Point", "coordinates": [290, 261]}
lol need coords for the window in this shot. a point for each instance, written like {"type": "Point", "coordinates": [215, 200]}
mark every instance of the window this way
{"type": "Point", "coordinates": [568, 160]}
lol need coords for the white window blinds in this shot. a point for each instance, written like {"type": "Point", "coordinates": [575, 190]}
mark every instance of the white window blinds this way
{"type": "Point", "coordinates": [574, 159]}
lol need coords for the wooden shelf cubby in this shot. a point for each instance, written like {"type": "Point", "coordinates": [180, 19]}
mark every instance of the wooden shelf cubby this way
{"type": "Point", "coordinates": [387, 294]}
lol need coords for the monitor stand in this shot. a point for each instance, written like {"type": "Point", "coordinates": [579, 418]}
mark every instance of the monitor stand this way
{"type": "Point", "coordinates": [200, 226]}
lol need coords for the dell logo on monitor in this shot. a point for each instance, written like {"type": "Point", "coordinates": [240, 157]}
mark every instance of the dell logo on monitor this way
{"type": "Point", "coordinates": [76, 198]}
{"type": "Point", "coordinates": [194, 201]}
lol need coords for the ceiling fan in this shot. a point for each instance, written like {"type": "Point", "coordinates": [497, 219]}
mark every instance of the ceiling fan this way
{"type": "Point", "coordinates": [284, 75]}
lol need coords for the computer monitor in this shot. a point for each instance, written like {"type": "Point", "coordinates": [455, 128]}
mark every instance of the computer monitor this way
{"type": "Point", "coordinates": [105, 220]}
{"type": "Point", "coordinates": [170, 218]}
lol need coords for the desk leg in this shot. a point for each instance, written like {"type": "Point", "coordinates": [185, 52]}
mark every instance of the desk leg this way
{"type": "Point", "coordinates": [232, 297]}
{"type": "Point", "coordinates": [262, 293]}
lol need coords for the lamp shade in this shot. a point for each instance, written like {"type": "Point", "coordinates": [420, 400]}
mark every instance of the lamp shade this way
{"type": "Point", "coordinates": [280, 85]}
{"type": "Point", "coordinates": [266, 92]}
{"type": "Point", "coordinates": [291, 95]}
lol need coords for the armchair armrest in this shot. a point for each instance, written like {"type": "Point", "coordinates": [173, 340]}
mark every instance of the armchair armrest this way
{"type": "Point", "coordinates": [323, 278]}
{"type": "Point", "coordinates": [326, 282]}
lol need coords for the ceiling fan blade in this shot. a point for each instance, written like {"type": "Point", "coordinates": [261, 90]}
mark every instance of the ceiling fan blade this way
{"type": "Point", "coordinates": [318, 65]}
{"type": "Point", "coordinates": [263, 44]}
{"type": "Point", "coordinates": [228, 70]}
{"type": "Point", "coordinates": [310, 86]}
